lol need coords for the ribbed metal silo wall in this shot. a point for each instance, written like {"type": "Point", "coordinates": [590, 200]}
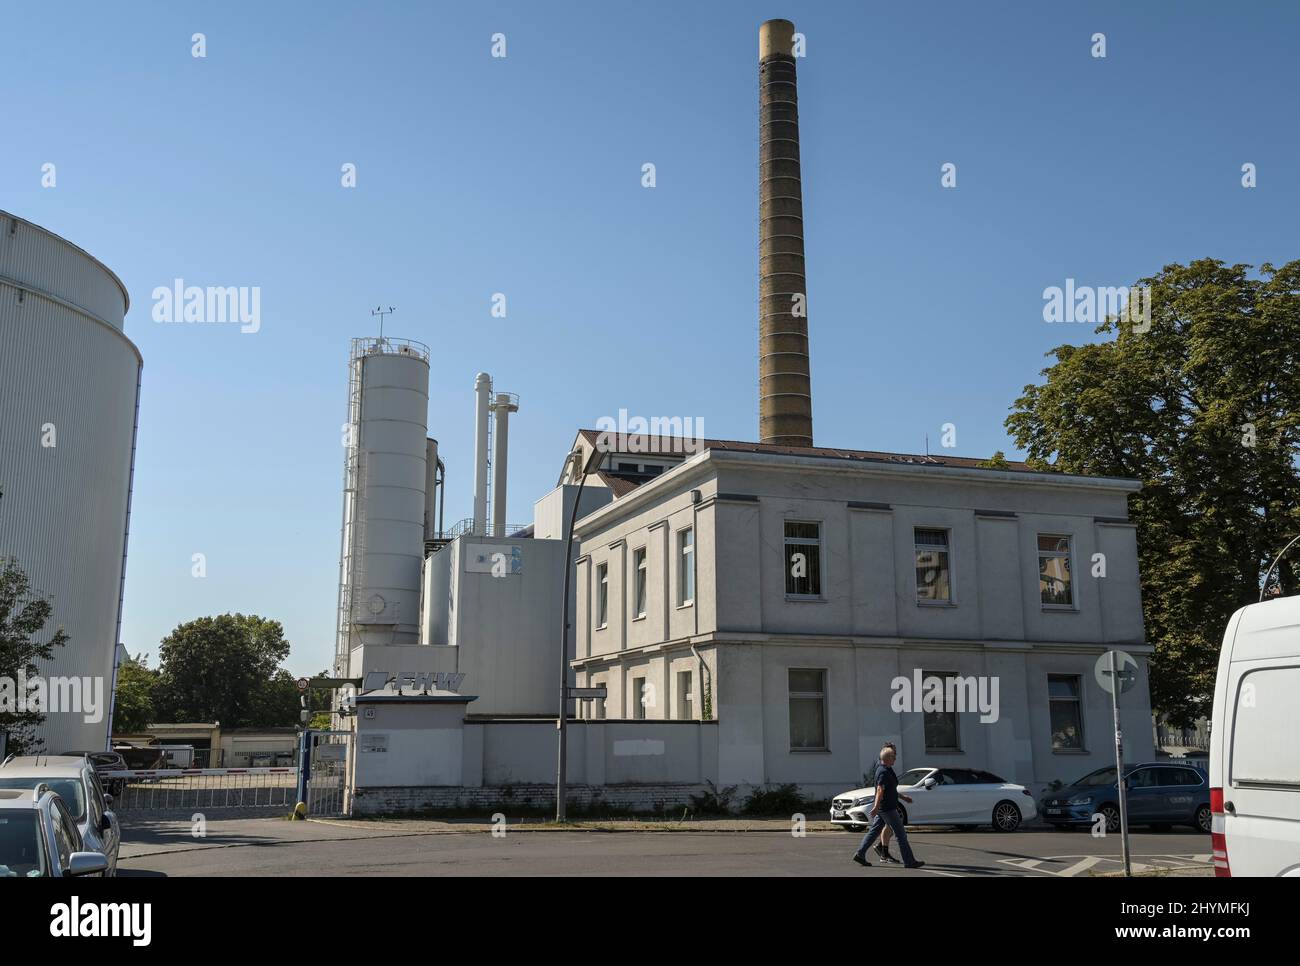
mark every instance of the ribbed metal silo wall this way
{"type": "Point", "coordinates": [390, 529]}
{"type": "Point", "coordinates": [68, 375]}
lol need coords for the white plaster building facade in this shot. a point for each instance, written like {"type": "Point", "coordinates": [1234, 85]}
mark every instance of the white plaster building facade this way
{"type": "Point", "coordinates": [692, 604]}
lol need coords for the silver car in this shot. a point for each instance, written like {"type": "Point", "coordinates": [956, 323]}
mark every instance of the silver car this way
{"type": "Point", "coordinates": [72, 779]}
{"type": "Point", "coordinates": [39, 838]}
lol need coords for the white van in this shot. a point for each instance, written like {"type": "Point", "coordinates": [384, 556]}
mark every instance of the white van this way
{"type": "Point", "coordinates": [1255, 743]}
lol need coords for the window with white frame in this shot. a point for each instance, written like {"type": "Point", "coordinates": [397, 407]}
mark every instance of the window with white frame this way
{"type": "Point", "coordinates": [803, 559]}
{"type": "Point", "coordinates": [602, 595]}
{"type": "Point", "coordinates": [686, 566]}
{"type": "Point", "coordinates": [640, 574]}
{"type": "Point", "coordinates": [807, 687]}
{"type": "Point", "coordinates": [1054, 585]}
{"type": "Point", "coordinates": [1063, 699]}
{"type": "Point", "coordinates": [933, 571]}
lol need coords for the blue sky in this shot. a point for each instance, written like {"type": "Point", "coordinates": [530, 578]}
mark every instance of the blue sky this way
{"type": "Point", "coordinates": [522, 175]}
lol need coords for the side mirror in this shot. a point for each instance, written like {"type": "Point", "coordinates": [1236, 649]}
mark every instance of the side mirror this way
{"type": "Point", "coordinates": [87, 863]}
{"type": "Point", "coordinates": [929, 783]}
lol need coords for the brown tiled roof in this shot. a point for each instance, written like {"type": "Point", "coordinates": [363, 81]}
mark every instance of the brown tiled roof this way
{"type": "Point", "coordinates": [672, 446]}
{"type": "Point", "coordinates": [621, 485]}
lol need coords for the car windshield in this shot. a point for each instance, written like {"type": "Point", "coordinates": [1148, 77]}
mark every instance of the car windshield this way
{"type": "Point", "coordinates": [68, 789]}
{"type": "Point", "coordinates": [1102, 776]}
{"type": "Point", "coordinates": [21, 852]}
{"type": "Point", "coordinates": [913, 777]}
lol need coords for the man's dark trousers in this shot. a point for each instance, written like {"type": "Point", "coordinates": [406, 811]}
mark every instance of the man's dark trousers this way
{"type": "Point", "coordinates": [895, 820]}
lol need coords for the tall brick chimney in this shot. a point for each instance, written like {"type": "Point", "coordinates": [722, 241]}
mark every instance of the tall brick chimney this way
{"type": "Point", "coordinates": [785, 387]}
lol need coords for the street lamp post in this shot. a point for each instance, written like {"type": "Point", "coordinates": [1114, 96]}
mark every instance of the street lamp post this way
{"type": "Point", "coordinates": [561, 768]}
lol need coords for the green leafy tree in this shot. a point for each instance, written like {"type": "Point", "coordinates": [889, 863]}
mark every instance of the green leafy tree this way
{"type": "Point", "coordinates": [226, 669]}
{"type": "Point", "coordinates": [23, 615]}
{"type": "Point", "coordinates": [133, 706]}
{"type": "Point", "coordinates": [1202, 406]}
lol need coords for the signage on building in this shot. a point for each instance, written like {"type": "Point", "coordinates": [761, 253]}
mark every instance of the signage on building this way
{"type": "Point", "coordinates": [499, 560]}
{"type": "Point", "coordinates": [374, 742]}
{"type": "Point", "coordinates": [419, 681]}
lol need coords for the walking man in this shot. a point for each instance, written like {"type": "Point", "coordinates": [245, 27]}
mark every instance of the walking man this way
{"type": "Point", "coordinates": [882, 846]}
{"type": "Point", "coordinates": [884, 811]}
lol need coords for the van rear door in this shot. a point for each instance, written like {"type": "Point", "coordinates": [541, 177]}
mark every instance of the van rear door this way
{"type": "Point", "coordinates": [1257, 717]}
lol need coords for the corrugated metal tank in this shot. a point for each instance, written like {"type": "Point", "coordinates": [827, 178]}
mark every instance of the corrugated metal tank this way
{"type": "Point", "coordinates": [384, 501]}
{"type": "Point", "coordinates": [65, 363]}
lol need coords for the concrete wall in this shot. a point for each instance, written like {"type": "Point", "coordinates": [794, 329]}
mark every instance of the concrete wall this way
{"type": "Point", "coordinates": [409, 744]}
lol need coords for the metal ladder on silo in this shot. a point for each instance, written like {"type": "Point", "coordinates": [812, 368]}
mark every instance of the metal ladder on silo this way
{"type": "Point", "coordinates": [353, 538]}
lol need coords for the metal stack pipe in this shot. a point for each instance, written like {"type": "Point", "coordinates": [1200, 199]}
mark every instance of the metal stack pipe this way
{"type": "Point", "coordinates": [482, 406]}
{"type": "Point", "coordinates": [785, 384]}
{"type": "Point", "coordinates": [506, 403]}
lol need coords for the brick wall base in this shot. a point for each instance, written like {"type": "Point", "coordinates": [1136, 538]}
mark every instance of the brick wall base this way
{"type": "Point", "coordinates": [522, 799]}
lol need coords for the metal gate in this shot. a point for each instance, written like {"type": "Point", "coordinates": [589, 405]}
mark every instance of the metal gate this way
{"type": "Point", "coordinates": [328, 771]}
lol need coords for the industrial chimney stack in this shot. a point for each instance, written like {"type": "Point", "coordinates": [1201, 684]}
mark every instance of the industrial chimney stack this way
{"type": "Point", "coordinates": [785, 387]}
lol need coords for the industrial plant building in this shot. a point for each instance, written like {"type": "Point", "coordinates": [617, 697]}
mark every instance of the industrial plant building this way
{"type": "Point", "coordinates": [739, 613]}
{"type": "Point", "coordinates": [69, 394]}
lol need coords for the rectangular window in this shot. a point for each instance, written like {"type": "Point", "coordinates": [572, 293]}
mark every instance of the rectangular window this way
{"type": "Point", "coordinates": [1262, 736]}
{"type": "Point", "coordinates": [803, 559]}
{"type": "Point", "coordinates": [640, 573]}
{"type": "Point", "coordinates": [807, 709]}
{"type": "Point", "coordinates": [941, 729]}
{"type": "Point", "coordinates": [602, 595]}
{"type": "Point", "coordinates": [1066, 712]}
{"type": "Point", "coordinates": [638, 699]}
{"type": "Point", "coordinates": [597, 704]}
{"type": "Point", "coordinates": [685, 566]}
{"type": "Point", "coordinates": [685, 697]}
{"type": "Point", "coordinates": [1054, 570]}
{"type": "Point", "coordinates": [933, 575]}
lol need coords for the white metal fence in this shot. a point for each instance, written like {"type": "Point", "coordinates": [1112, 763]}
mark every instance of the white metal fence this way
{"type": "Point", "coordinates": [166, 789]}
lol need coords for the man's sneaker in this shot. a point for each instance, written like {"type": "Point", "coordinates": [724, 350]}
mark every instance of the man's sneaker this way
{"type": "Point", "coordinates": [914, 865]}
{"type": "Point", "coordinates": [883, 854]}
{"type": "Point", "coordinates": [861, 860]}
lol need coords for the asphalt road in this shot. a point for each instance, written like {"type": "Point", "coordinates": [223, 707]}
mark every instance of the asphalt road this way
{"type": "Point", "coordinates": [270, 847]}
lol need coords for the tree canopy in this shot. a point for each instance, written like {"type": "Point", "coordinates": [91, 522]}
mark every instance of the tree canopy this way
{"type": "Point", "coordinates": [23, 615]}
{"type": "Point", "coordinates": [1203, 407]}
{"type": "Point", "coordinates": [226, 669]}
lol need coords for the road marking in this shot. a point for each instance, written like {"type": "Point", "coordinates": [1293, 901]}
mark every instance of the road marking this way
{"type": "Point", "coordinates": [1078, 867]}
{"type": "Point", "coordinates": [1026, 864]}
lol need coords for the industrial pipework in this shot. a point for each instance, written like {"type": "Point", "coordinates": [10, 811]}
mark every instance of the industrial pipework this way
{"type": "Point", "coordinates": [482, 407]}
{"type": "Point", "coordinates": [785, 385]}
{"type": "Point", "coordinates": [506, 403]}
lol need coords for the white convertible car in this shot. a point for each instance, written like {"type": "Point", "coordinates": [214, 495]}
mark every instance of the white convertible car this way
{"type": "Point", "coordinates": [944, 796]}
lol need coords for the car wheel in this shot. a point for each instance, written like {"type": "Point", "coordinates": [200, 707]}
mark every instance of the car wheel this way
{"type": "Point", "coordinates": [902, 815]}
{"type": "Point", "coordinates": [1112, 817]}
{"type": "Point", "coordinates": [1006, 816]}
{"type": "Point", "coordinates": [855, 828]}
{"type": "Point", "coordinates": [1204, 819]}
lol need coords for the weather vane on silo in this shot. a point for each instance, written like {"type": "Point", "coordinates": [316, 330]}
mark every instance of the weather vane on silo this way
{"type": "Point", "coordinates": [380, 311]}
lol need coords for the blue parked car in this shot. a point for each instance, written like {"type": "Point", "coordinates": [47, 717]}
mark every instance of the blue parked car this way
{"type": "Point", "coordinates": [1159, 794]}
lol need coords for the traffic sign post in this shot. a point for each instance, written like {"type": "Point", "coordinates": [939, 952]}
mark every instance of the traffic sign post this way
{"type": "Point", "coordinates": [1116, 685]}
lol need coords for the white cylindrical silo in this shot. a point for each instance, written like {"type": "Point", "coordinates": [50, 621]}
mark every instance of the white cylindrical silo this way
{"type": "Point", "coordinates": [384, 487]}
{"type": "Point", "coordinates": [69, 397]}
{"type": "Point", "coordinates": [482, 404]}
